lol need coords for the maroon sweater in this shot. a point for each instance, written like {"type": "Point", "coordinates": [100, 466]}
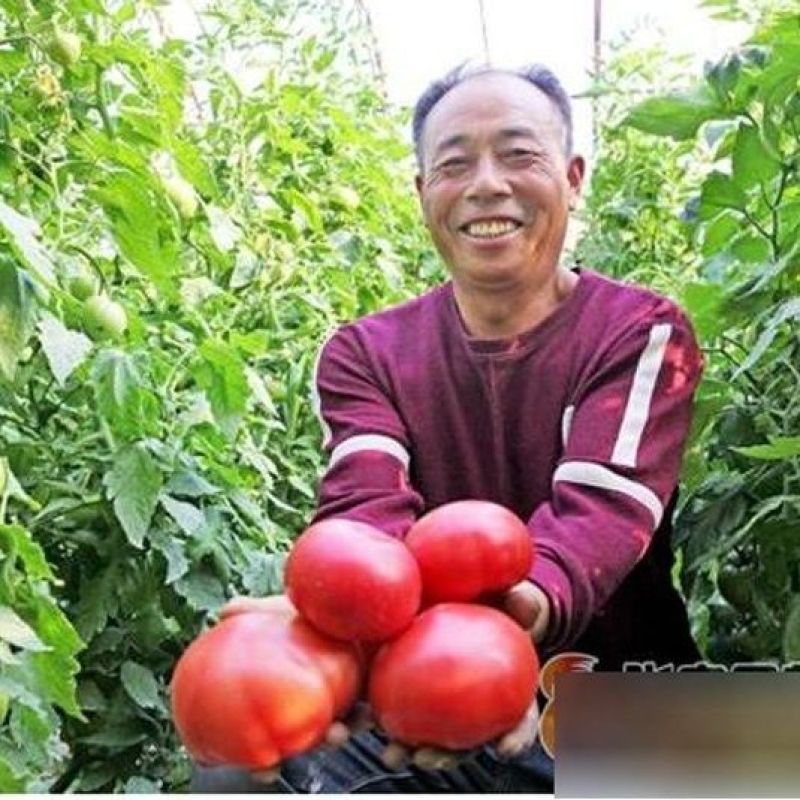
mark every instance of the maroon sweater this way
{"type": "Point", "coordinates": [577, 425]}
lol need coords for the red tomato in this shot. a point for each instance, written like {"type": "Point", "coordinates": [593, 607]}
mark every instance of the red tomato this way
{"type": "Point", "coordinates": [352, 581]}
{"type": "Point", "coordinates": [469, 548]}
{"type": "Point", "coordinates": [260, 687]}
{"type": "Point", "coordinates": [460, 676]}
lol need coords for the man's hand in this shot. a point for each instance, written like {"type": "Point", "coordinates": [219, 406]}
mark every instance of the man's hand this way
{"type": "Point", "coordinates": [512, 744]}
{"type": "Point", "coordinates": [528, 605]}
{"type": "Point", "coordinates": [278, 603]}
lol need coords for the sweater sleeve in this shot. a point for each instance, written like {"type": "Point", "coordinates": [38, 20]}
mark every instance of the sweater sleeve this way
{"type": "Point", "coordinates": [624, 438]}
{"type": "Point", "coordinates": [367, 478]}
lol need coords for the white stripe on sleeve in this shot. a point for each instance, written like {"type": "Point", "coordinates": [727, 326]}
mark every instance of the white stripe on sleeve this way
{"type": "Point", "coordinates": [566, 424]}
{"type": "Point", "coordinates": [638, 408]}
{"type": "Point", "coordinates": [370, 441]}
{"type": "Point", "coordinates": [600, 477]}
{"type": "Point", "coordinates": [316, 400]}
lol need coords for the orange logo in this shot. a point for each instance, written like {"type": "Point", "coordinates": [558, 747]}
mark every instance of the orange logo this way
{"type": "Point", "coordinates": [564, 662]}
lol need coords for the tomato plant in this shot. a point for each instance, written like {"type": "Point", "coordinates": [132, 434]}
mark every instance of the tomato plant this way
{"type": "Point", "coordinates": [470, 548]}
{"type": "Point", "coordinates": [353, 581]}
{"type": "Point", "coordinates": [460, 676]}
{"type": "Point", "coordinates": [260, 687]}
{"type": "Point", "coordinates": [154, 475]}
{"type": "Point", "coordinates": [711, 215]}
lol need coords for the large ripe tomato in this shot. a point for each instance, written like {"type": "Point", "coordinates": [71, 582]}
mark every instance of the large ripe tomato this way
{"type": "Point", "coordinates": [460, 676]}
{"type": "Point", "coordinates": [469, 548]}
{"type": "Point", "coordinates": [260, 687]}
{"type": "Point", "coordinates": [352, 581]}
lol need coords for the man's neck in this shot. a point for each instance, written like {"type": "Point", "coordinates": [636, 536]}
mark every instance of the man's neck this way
{"type": "Point", "coordinates": [508, 313]}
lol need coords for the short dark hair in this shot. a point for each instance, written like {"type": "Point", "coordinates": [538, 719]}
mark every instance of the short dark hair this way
{"type": "Point", "coordinates": [536, 74]}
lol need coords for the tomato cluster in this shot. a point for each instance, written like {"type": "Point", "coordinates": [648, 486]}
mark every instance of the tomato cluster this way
{"type": "Point", "coordinates": [404, 622]}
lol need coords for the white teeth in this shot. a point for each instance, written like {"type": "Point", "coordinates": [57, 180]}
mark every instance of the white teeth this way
{"type": "Point", "coordinates": [490, 229]}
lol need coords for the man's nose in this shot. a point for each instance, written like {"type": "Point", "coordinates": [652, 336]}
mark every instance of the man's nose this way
{"type": "Point", "coordinates": [488, 180]}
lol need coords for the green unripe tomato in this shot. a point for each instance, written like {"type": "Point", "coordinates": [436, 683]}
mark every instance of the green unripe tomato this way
{"type": "Point", "coordinates": [103, 318]}
{"type": "Point", "coordinates": [736, 586]}
{"type": "Point", "coordinates": [182, 194]}
{"type": "Point", "coordinates": [348, 197]}
{"type": "Point", "coordinates": [82, 285]}
{"type": "Point", "coordinates": [64, 47]}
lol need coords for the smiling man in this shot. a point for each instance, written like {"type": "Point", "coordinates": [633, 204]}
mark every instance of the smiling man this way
{"type": "Point", "coordinates": [496, 182]}
{"type": "Point", "coordinates": [552, 390]}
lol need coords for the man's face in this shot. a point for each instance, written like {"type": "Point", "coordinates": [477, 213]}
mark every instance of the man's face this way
{"type": "Point", "coordinates": [496, 184]}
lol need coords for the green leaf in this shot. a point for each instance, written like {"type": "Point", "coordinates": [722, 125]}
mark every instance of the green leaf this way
{"type": "Point", "coordinates": [191, 163]}
{"type": "Point", "coordinates": [56, 680]}
{"type": "Point", "coordinates": [752, 164]}
{"type": "Point", "coordinates": [138, 784]}
{"type": "Point", "coordinates": [723, 74]}
{"type": "Point", "coordinates": [133, 484]}
{"type": "Point", "coordinates": [173, 551]}
{"type": "Point", "coordinates": [202, 591]}
{"type": "Point", "coordinates": [305, 208]}
{"type": "Point", "coordinates": [302, 486]}
{"type": "Point", "coordinates": [190, 519]}
{"type": "Point", "coordinates": [17, 632]}
{"type": "Point", "coordinates": [263, 574]}
{"type": "Point", "coordinates": [90, 696]}
{"type": "Point", "coordinates": [247, 267]}
{"type": "Point", "coordinates": [139, 230]}
{"type": "Point", "coordinates": [97, 601]}
{"type": "Point", "coordinates": [221, 375]}
{"type": "Point", "coordinates": [224, 233]}
{"type": "Point", "coordinates": [719, 192]}
{"type": "Point", "coordinates": [11, 781]}
{"type": "Point", "coordinates": [678, 115]}
{"type": "Point", "coordinates": [195, 291]}
{"type": "Point", "coordinates": [119, 392]}
{"type": "Point", "coordinates": [791, 631]}
{"type": "Point", "coordinates": [780, 448]}
{"type": "Point", "coordinates": [15, 539]}
{"type": "Point", "coordinates": [10, 487]}
{"type": "Point", "coordinates": [24, 234]}
{"type": "Point", "coordinates": [785, 312]}
{"type": "Point", "coordinates": [118, 735]}
{"type": "Point", "coordinates": [141, 685]}
{"type": "Point", "coordinates": [17, 315]}
{"type": "Point", "coordinates": [704, 303]}
{"type": "Point", "coordinates": [96, 777]}
{"type": "Point", "coordinates": [65, 349]}
{"type": "Point", "coordinates": [190, 484]}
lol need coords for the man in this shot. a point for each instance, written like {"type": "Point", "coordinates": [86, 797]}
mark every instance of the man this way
{"type": "Point", "coordinates": [555, 392]}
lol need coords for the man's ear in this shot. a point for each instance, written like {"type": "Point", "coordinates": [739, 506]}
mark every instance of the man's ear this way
{"type": "Point", "coordinates": [576, 170]}
{"type": "Point", "coordinates": [418, 184]}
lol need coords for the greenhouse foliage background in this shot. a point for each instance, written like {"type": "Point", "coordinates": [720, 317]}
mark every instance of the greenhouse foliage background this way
{"type": "Point", "coordinates": [173, 248]}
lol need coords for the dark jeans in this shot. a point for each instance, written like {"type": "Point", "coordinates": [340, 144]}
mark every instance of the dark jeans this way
{"type": "Point", "coordinates": [357, 767]}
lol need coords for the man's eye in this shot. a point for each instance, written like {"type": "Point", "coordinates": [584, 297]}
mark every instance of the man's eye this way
{"type": "Point", "coordinates": [453, 164]}
{"type": "Point", "coordinates": [518, 155]}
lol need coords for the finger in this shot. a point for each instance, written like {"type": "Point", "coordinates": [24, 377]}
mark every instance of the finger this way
{"type": "Point", "coordinates": [394, 755]}
{"type": "Point", "coordinates": [266, 775]}
{"type": "Point", "coordinates": [522, 737]}
{"type": "Point", "coordinates": [279, 604]}
{"type": "Point", "coordinates": [430, 758]}
{"type": "Point", "coordinates": [520, 606]}
{"type": "Point", "coordinates": [360, 718]}
{"type": "Point", "coordinates": [337, 734]}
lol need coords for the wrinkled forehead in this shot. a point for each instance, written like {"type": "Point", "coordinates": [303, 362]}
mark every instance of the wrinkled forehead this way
{"type": "Point", "coordinates": [484, 105]}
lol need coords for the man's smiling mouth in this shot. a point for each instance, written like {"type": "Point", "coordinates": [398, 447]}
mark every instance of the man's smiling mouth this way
{"type": "Point", "coordinates": [490, 228]}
